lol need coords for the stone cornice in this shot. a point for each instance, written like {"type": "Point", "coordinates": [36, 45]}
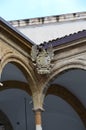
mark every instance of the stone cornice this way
{"type": "Point", "coordinates": [49, 19]}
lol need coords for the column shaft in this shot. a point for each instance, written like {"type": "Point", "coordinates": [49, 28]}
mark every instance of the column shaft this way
{"type": "Point", "coordinates": [38, 120]}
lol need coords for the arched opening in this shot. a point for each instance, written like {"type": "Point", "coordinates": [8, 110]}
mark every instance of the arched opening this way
{"type": "Point", "coordinates": [24, 70]}
{"type": "Point", "coordinates": [74, 80]}
{"type": "Point", "coordinates": [11, 71]}
{"type": "Point", "coordinates": [15, 76]}
{"type": "Point", "coordinates": [73, 92]}
{"type": "Point", "coordinates": [15, 99]}
{"type": "Point", "coordinates": [17, 105]}
{"type": "Point", "coordinates": [60, 115]}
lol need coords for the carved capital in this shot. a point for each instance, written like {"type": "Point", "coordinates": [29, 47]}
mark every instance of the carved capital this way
{"type": "Point", "coordinates": [37, 101]}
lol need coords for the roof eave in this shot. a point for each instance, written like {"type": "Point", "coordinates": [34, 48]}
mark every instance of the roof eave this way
{"type": "Point", "coordinates": [14, 33]}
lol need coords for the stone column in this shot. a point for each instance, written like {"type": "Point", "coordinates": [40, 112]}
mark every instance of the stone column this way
{"type": "Point", "coordinates": [38, 108]}
{"type": "Point", "coordinates": [38, 120]}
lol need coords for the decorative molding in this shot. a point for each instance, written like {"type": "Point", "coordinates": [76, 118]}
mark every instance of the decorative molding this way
{"type": "Point", "coordinates": [49, 19]}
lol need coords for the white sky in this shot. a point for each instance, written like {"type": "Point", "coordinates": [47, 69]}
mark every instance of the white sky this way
{"type": "Point", "coordinates": [22, 9]}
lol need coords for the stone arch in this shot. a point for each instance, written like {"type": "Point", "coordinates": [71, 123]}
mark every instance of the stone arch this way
{"type": "Point", "coordinates": [22, 65]}
{"type": "Point", "coordinates": [70, 98]}
{"type": "Point", "coordinates": [62, 91]}
{"type": "Point", "coordinates": [5, 121]}
{"type": "Point", "coordinates": [77, 64]}
{"type": "Point", "coordinates": [62, 68]}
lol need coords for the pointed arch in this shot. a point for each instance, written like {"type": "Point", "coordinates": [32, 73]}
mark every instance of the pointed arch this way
{"type": "Point", "coordinates": [22, 65]}
{"type": "Point", "coordinates": [75, 64]}
{"type": "Point", "coordinates": [64, 67]}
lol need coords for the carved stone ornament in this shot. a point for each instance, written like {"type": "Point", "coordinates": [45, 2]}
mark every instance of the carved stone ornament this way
{"type": "Point", "coordinates": [42, 58]}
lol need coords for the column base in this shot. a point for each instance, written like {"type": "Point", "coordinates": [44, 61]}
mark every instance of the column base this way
{"type": "Point", "coordinates": [38, 127]}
